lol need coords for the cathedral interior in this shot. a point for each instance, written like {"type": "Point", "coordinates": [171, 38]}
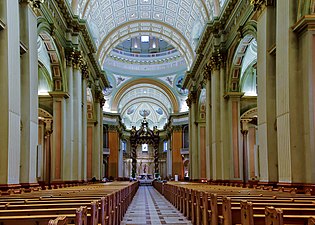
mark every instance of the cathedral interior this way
{"type": "Point", "coordinates": [215, 90]}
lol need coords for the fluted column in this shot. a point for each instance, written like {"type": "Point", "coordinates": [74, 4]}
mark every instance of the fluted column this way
{"type": "Point", "coordinates": [68, 152]}
{"type": "Point", "coordinates": [97, 153]}
{"type": "Point", "coordinates": [193, 144]}
{"type": "Point", "coordinates": [245, 152]}
{"type": "Point", "coordinates": [85, 77]}
{"type": "Point", "coordinates": [29, 99]}
{"type": "Point", "coordinates": [216, 123]}
{"type": "Point", "coordinates": [77, 116]}
{"type": "Point", "coordinates": [291, 149]}
{"type": "Point", "coordinates": [225, 143]}
{"type": "Point", "coordinates": [266, 99]}
{"type": "Point", "coordinates": [207, 77]}
{"type": "Point", "coordinates": [10, 119]}
{"type": "Point", "coordinates": [306, 73]}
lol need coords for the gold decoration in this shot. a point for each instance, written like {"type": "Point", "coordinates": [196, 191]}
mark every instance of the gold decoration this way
{"type": "Point", "coordinates": [35, 4]}
{"type": "Point", "coordinates": [77, 60]}
{"type": "Point", "coordinates": [258, 4]}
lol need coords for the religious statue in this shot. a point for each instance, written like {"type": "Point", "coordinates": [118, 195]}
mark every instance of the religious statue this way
{"type": "Point", "coordinates": [145, 168]}
{"type": "Point", "coordinates": [155, 130]}
{"type": "Point", "coordinates": [133, 131]}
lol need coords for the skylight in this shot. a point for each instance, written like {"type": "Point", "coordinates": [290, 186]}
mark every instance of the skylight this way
{"type": "Point", "coordinates": [144, 38]}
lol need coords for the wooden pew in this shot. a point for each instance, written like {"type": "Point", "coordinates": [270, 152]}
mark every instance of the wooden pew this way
{"type": "Point", "coordinates": [103, 214]}
{"type": "Point", "coordinates": [60, 220]}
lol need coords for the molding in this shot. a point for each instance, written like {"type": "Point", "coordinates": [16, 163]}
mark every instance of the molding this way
{"type": "Point", "coordinates": [2, 25]}
{"type": "Point", "coordinates": [23, 48]}
{"type": "Point", "coordinates": [59, 94]}
{"type": "Point", "coordinates": [233, 95]}
{"type": "Point", "coordinates": [305, 23]}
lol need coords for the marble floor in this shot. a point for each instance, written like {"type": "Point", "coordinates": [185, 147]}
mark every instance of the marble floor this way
{"type": "Point", "coordinates": [150, 207]}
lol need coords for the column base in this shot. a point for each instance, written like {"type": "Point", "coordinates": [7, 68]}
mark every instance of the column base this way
{"type": "Point", "coordinates": [29, 187]}
{"type": "Point", "coordinates": [298, 188]}
{"type": "Point", "coordinates": [8, 189]}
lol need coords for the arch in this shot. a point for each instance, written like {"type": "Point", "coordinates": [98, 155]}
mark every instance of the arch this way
{"type": "Point", "coordinates": [44, 30]}
{"type": "Point", "coordinates": [250, 113]}
{"type": "Point", "coordinates": [131, 83]}
{"type": "Point", "coordinates": [248, 29]}
{"type": "Point", "coordinates": [154, 28]}
{"type": "Point", "coordinates": [236, 64]}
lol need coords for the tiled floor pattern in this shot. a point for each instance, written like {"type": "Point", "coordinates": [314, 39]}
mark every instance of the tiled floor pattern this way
{"type": "Point", "coordinates": [150, 207]}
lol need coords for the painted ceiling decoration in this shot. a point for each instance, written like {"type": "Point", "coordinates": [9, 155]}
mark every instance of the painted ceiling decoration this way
{"type": "Point", "coordinates": [145, 47]}
{"type": "Point", "coordinates": [179, 22]}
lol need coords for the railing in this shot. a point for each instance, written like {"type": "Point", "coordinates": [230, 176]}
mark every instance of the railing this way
{"type": "Point", "coordinates": [144, 54]}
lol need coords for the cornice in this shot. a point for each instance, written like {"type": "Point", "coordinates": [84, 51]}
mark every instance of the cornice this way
{"type": "Point", "coordinates": [260, 4]}
{"type": "Point", "coordinates": [72, 23]}
{"type": "Point", "coordinates": [305, 23]}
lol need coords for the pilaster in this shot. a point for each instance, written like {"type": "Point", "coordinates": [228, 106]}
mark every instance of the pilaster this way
{"type": "Point", "coordinates": [291, 149]}
{"type": "Point", "coordinates": [177, 143]}
{"type": "Point", "coordinates": [68, 153]}
{"type": "Point", "coordinates": [85, 77]}
{"type": "Point", "coordinates": [266, 99]}
{"type": "Point", "coordinates": [207, 77]}
{"type": "Point", "coordinates": [58, 135]}
{"type": "Point", "coordinates": [10, 92]}
{"type": "Point", "coordinates": [29, 99]}
{"type": "Point", "coordinates": [214, 63]}
{"type": "Point", "coordinates": [233, 119]}
{"type": "Point", "coordinates": [193, 143]}
{"type": "Point", "coordinates": [78, 61]}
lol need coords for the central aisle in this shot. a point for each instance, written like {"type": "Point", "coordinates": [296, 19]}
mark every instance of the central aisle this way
{"type": "Point", "coordinates": [150, 207]}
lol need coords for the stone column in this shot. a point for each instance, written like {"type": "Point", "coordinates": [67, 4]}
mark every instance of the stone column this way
{"type": "Point", "coordinates": [216, 122]}
{"type": "Point", "coordinates": [306, 74]}
{"type": "Point", "coordinates": [97, 148]}
{"type": "Point", "coordinates": [169, 159]}
{"type": "Point", "coordinates": [266, 99]}
{"type": "Point", "coordinates": [85, 77]}
{"type": "Point", "coordinates": [207, 77]}
{"type": "Point", "coordinates": [68, 152]}
{"type": "Point", "coordinates": [90, 149]}
{"type": "Point", "coordinates": [120, 160]}
{"type": "Point", "coordinates": [102, 169]}
{"type": "Point", "coordinates": [58, 135]}
{"type": "Point", "coordinates": [48, 152]}
{"type": "Point", "coordinates": [193, 142]}
{"type": "Point", "coordinates": [291, 148]}
{"type": "Point", "coordinates": [29, 98]}
{"type": "Point", "coordinates": [77, 117]}
{"type": "Point", "coordinates": [177, 144]}
{"type": "Point", "coordinates": [233, 119]}
{"type": "Point", "coordinates": [225, 140]}
{"type": "Point", "coordinates": [245, 152]}
{"type": "Point", "coordinates": [10, 92]}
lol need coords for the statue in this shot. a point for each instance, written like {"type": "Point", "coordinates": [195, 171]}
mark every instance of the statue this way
{"type": "Point", "coordinates": [133, 131]}
{"type": "Point", "coordinates": [145, 168]}
{"type": "Point", "coordinates": [155, 131]}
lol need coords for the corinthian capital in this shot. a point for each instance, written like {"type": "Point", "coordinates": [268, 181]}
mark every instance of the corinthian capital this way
{"type": "Point", "coordinates": [77, 59]}
{"type": "Point", "coordinates": [35, 4]}
{"type": "Point", "coordinates": [259, 4]}
{"type": "Point", "coordinates": [207, 72]}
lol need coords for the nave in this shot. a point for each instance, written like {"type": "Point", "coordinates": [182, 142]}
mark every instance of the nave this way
{"type": "Point", "coordinates": [150, 207]}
